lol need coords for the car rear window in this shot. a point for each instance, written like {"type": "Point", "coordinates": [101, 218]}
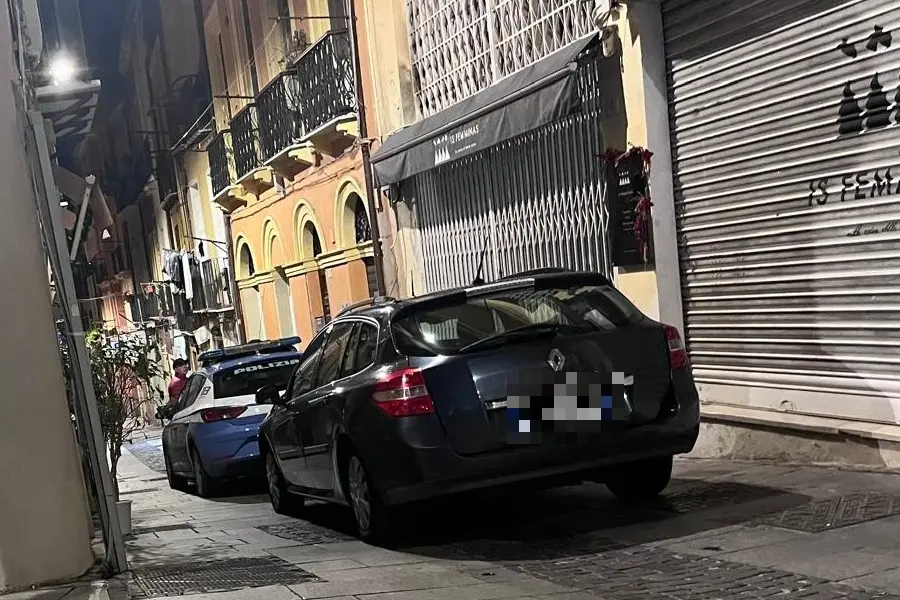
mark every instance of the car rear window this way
{"type": "Point", "coordinates": [245, 380]}
{"type": "Point", "coordinates": [449, 328]}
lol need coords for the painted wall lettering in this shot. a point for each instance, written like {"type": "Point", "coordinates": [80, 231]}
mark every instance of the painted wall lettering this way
{"type": "Point", "coordinates": [889, 227]}
{"type": "Point", "coordinates": [854, 186]}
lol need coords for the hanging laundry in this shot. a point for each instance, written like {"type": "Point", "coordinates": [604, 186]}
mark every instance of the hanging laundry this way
{"type": "Point", "coordinates": [186, 276]}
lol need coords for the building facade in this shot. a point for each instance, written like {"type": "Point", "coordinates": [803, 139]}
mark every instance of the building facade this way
{"type": "Point", "coordinates": [286, 163]}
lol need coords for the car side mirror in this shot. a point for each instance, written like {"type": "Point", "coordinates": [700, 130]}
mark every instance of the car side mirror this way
{"type": "Point", "coordinates": [268, 394]}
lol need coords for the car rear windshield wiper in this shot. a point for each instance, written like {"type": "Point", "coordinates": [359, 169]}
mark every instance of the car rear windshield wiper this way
{"type": "Point", "coordinates": [526, 331]}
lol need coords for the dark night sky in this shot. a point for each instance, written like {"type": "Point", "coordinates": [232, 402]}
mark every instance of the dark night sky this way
{"type": "Point", "coordinates": [102, 21]}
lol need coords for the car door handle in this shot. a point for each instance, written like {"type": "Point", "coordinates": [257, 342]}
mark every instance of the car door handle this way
{"type": "Point", "coordinates": [322, 400]}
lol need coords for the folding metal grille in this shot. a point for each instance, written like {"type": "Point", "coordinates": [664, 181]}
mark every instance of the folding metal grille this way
{"type": "Point", "coordinates": [531, 202]}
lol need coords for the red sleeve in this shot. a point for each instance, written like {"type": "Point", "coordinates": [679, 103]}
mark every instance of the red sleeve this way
{"type": "Point", "coordinates": [176, 387]}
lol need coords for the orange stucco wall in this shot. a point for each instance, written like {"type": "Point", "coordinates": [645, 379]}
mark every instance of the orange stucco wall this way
{"type": "Point", "coordinates": [271, 226]}
{"type": "Point", "coordinates": [270, 310]}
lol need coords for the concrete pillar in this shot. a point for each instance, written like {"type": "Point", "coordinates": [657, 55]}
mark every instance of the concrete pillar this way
{"type": "Point", "coordinates": [645, 18]}
{"type": "Point", "coordinates": [44, 534]}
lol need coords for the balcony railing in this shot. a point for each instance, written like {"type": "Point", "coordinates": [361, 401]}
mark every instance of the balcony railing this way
{"type": "Point", "coordinates": [144, 308]}
{"type": "Point", "coordinates": [317, 89]}
{"type": "Point", "coordinates": [279, 123]}
{"type": "Point", "coordinates": [326, 72]}
{"type": "Point", "coordinates": [219, 163]}
{"type": "Point", "coordinates": [212, 290]}
{"type": "Point", "coordinates": [245, 139]}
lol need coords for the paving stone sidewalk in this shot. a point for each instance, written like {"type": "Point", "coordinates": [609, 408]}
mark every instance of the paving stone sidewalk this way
{"type": "Point", "coordinates": [723, 531]}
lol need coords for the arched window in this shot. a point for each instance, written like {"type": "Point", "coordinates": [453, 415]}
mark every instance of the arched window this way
{"type": "Point", "coordinates": [246, 268]}
{"type": "Point", "coordinates": [361, 222]}
{"type": "Point", "coordinates": [312, 244]}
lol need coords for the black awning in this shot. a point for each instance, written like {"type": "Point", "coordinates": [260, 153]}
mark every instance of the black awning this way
{"type": "Point", "coordinates": [538, 94]}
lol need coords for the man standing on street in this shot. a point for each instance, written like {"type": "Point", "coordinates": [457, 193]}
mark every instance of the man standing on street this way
{"type": "Point", "coordinates": [176, 387]}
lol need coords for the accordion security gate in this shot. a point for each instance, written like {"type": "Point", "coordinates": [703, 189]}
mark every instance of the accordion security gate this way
{"type": "Point", "coordinates": [531, 202]}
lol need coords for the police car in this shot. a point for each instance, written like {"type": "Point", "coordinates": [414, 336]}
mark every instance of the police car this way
{"type": "Point", "coordinates": [213, 430]}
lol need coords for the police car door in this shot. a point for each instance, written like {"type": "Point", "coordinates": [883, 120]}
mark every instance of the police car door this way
{"type": "Point", "coordinates": [186, 413]}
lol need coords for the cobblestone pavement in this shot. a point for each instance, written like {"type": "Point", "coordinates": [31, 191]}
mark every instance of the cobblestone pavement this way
{"type": "Point", "coordinates": [722, 531]}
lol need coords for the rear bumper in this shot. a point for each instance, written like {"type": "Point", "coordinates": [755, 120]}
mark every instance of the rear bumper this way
{"type": "Point", "coordinates": [229, 449]}
{"type": "Point", "coordinates": [438, 470]}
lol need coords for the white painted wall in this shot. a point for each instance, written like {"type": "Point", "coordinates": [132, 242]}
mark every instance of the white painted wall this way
{"type": "Point", "coordinates": [44, 532]}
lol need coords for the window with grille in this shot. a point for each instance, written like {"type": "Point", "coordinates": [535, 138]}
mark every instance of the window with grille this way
{"type": "Point", "coordinates": [459, 47]}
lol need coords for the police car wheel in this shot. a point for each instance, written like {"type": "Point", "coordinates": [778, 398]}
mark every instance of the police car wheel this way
{"type": "Point", "coordinates": [640, 481]}
{"type": "Point", "coordinates": [202, 482]}
{"type": "Point", "coordinates": [176, 482]}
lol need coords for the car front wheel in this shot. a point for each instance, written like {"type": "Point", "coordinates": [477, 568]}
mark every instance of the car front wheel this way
{"type": "Point", "coordinates": [640, 481]}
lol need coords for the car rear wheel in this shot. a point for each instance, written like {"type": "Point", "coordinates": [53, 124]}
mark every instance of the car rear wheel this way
{"type": "Point", "coordinates": [283, 501]}
{"type": "Point", "coordinates": [640, 481]}
{"type": "Point", "coordinates": [176, 482]}
{"type": "Point", "coordinates": [202, 481]}
{"type": "Point", "coordinates": [371, 515]}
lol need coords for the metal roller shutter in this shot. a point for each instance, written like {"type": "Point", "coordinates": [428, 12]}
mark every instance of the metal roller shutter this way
{"type": "Point", "coordinates": [784, 123]}
{"type": "Point", "coordinates": [533, 201]}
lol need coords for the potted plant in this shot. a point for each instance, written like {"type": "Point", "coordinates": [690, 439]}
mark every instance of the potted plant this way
{"type": "Point", "coordinates": [123, 368]}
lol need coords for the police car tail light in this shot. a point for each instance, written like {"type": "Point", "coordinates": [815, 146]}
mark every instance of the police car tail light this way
{"type": "Point", "coordinates": [403, 394]}
{"type": "Point", "coordinates": [211, 415]}
{"type": "Point", "coordinates": [678, 356]}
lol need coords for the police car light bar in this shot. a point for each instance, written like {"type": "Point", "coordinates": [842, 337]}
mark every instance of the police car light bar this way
{"type": "Point", "coordinates": [220, 354]}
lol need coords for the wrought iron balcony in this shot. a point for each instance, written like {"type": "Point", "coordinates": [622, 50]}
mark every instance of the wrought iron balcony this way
{"type": "Point", "coordinates": [315, 91]}
{"type": "Point", "coordinates": [212, 290]}
{"type": "Point", "coordinates": [144, 308]}
{"type": "Point", "coordinates": [220, 167]}
{"type": "Point", "coordinates": [245, 140]}
{"type": "Point", "coordinates": [326, 72]}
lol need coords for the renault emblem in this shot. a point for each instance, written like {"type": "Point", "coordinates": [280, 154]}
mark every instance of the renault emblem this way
{"type": "Point", "coordinates": [556, 360]}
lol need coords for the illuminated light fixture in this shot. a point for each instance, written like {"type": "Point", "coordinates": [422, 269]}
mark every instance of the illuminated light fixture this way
{"type": "Point", "coordinates": [105, 235]}
{"type": "Point", "coordinates": [62, 70]}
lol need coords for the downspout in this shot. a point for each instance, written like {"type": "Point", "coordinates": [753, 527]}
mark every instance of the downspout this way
{"type": "Point", "coordinates": [232, 283]}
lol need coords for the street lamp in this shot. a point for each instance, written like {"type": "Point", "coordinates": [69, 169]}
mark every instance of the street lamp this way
{"type": "Point", "coordinates": [62, 70]}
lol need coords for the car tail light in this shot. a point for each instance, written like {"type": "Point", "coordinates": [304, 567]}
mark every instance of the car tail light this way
{"type": "Point", "coordinates": [211, 415]}
{"type": "Point", "coordinates": [678, 357]}
{"type": "Point", "coordinates": [403, 394]}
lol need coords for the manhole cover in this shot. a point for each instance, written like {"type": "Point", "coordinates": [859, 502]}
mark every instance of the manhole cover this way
{"type": "Point", "coordinates": [305, 534]}
{"type": "Point", "coordinates": [711, 495]}
{"type": "Point", "coordinates": [834, 513]}
{"type": "Point", "coordinates": [220, 576]}
{"type": "Point", "coordinates": [161, 528]}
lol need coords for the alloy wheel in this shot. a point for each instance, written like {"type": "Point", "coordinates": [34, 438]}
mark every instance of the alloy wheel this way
{"type": "Point", "coordinates": [360, 496]}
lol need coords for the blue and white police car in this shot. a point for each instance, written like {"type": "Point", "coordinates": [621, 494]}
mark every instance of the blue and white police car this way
{"type": "Point", "coordinates": [214, 428]}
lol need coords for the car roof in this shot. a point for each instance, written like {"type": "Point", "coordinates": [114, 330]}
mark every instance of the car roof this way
{"type": "Point", "coordinates": [215, 368]}
{"type": "Point", "coordinates": [384, 308]}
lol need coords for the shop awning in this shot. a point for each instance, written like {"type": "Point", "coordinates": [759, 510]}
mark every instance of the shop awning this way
{"type": "Point", "coordinates": [70, 107]}
{"type": "Point", "coordinates": [538, 94]}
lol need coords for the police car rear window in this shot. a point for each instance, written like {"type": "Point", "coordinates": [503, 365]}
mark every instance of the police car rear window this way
{"type": "Point", "coordinates": [245, 380]}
